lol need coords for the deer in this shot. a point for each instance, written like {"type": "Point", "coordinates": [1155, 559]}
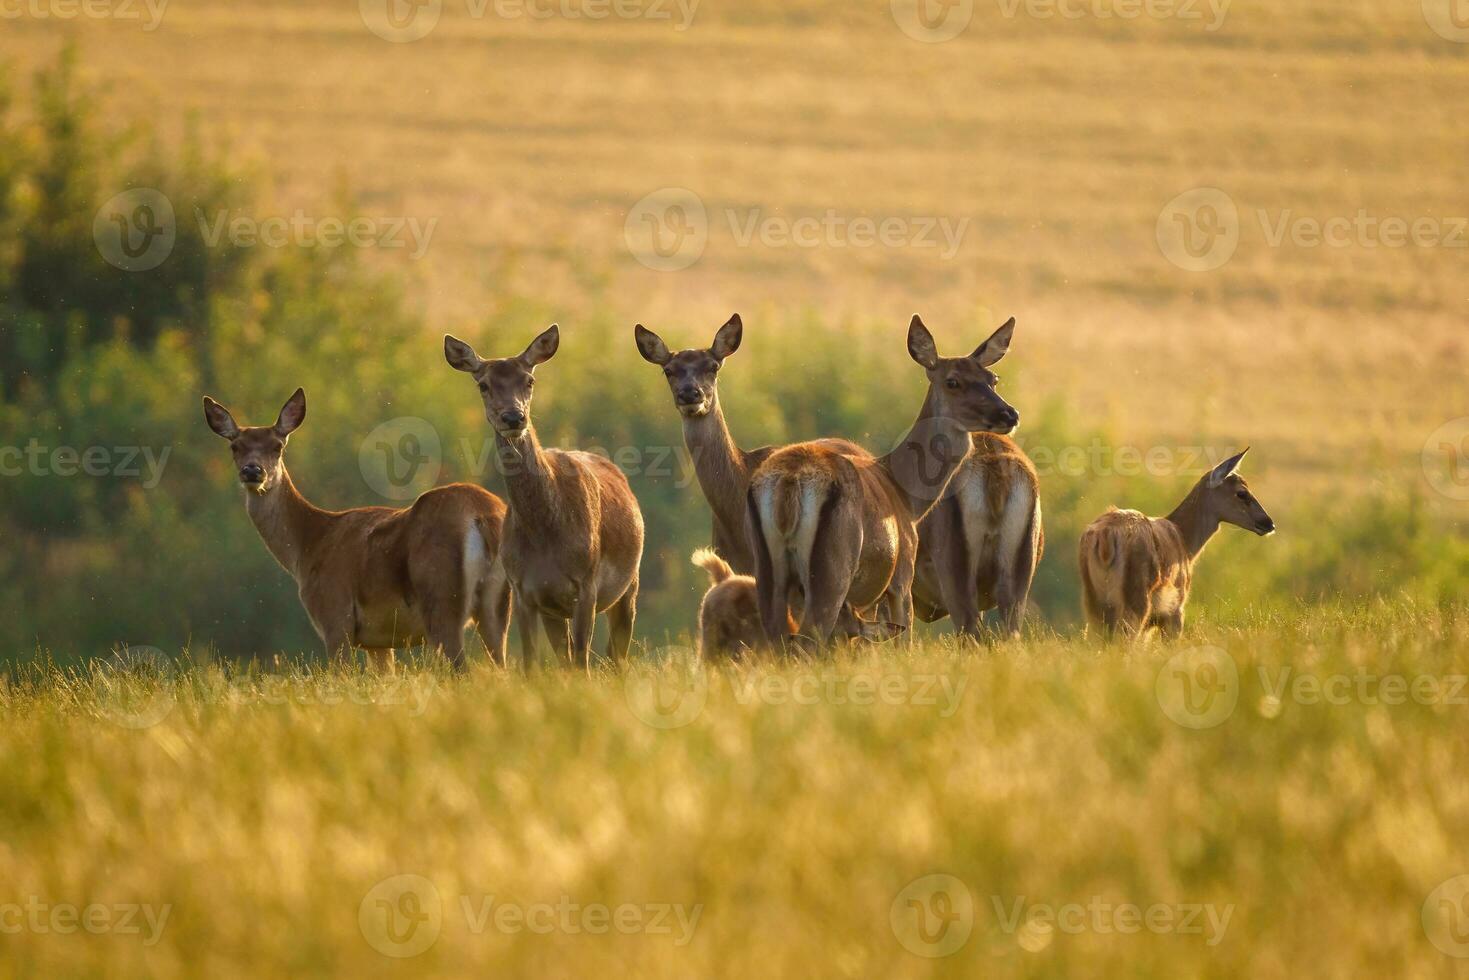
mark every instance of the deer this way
{"type": "Point", "coordinates": [1136, 571]}
{"type": "Point", "coordinates": [979, 547]}
{"type": "Point", "coordinates": [375, 578]}
{"type": "Point", "coordinates": [729, 616]}
{"type": "Point", "coordinates": [721, 466]}
{"type": "Point", "coordinates": [842, 528]}
{"type": "Point", "coordinates": [573, 539]}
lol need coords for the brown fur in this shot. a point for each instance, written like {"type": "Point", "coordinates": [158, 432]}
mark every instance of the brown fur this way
{"type": "Point", "coordinates": [722, 467]}
{"type": "Point", "coordinates": [842, 528]}
{"type": "Point", "coordinates": [375, 577]}
{"type": "Point", "coordinates": [969, 559]}
{"type": "Point", "coordinates": [573, 539]}
{"type": "Point", "coordinates": [729, 615]}
{"type": "Point", "coordinates": [1137, 571]}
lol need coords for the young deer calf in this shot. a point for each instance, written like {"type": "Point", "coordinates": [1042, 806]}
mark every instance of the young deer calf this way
{"type": "Point", "coordinates": [574, 535]}
{"type": "Point", "coordinates": [729, 615]}
{"type": "Point", "coordinates": [375, 577]}
{"type": "Point", "coordinates": [1136, 571]}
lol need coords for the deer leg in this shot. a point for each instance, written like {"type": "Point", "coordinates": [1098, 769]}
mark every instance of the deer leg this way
{"type": "Point", "coordinates": [620, 621]}
{"type": "Point", "coordinates": [382, 660]}
{"type": "Point", "coordinates": [525, 625]}
{"type": "Point", "coordinates": [558, 634]}
{"type": "Point", "coordinates": [583, 619]}
{"type": "Point", "coordinates": [958, 584]}
{"type": "Point", "coordinates": [493, 620]}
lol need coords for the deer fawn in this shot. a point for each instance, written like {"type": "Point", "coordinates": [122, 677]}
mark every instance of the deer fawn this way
{"type": "Point", "coordinates": [375, 577]}
{"type": "Point", "coordinates": [729, 615]}
{"type": "Point", "coordinates": [980, 545]}
{"type": "Point", "coordinates": [1136, 570]}
{"type": "Point", "coordinates": [722, 467]}
{"type": "Point", "coordinates": [574, 536]}
{"type": "Point", "coordinates": [842, 527]}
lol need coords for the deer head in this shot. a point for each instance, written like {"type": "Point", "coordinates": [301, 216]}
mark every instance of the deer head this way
{"type": "Point", "coordinates": [259, 452]}
{"type": "Point", "coordinates": [505, 384]}
{"type": "Point", "coordinates": [963, 388]}
{"type": "Point", "coordinates": [692, 374]}
{"type": "Point", "coordinates": [1228, 499]}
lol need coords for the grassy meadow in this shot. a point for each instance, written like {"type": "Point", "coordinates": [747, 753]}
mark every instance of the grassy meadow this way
{"type": "Point", "coordinates": [189, 791]}
{"type": "Point", "coordinates": [776, 819]}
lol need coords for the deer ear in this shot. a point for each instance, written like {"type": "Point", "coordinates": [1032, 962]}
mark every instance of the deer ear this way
{"type": "Point", "coordinates": [997, 346]}
{"type": "Point", "coordinates": [920, 344]}
{"type": "Point", "coordinates": [1225, 469]}
{"type": "Point", "coordinates": [292, 415]}
{"type": "Point", "coordinates": [727, 340]}
{"type": "Point", "coordinates": [220, 419]}
{"type": "Point", "coordinates": [651, 346]}
{"type": "Point", "coordinates": [543, 348]}
{"type": "Point", "coordinates": [461, 356]}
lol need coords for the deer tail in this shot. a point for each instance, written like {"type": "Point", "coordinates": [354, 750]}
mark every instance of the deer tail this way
{"type": "Point", "coordinates": [709, 561]}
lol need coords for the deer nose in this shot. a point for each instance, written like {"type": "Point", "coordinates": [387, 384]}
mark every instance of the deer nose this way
{"type": "Point", "coordinates": [689, 396]}
{"type": "Point", "coordinates": [252, 473]}
{"type": "Point", "coordinates": [513, 419]}
{"type": "Point", "coordinates": [1009, 417]}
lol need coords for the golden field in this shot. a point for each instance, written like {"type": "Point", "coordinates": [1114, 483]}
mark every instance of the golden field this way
{"type": "Point", "coordinates": [1057, 140]}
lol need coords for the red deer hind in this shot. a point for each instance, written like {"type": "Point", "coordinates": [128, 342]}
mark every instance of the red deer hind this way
{"type": "Point", "coordinates": [375, 577]}
{"type": "Point", "coordinates": [1136, 571]}
{"type": "Point", "coordinates": [842, 528]}
{"type": "Point", "coordinates": [574, 536]}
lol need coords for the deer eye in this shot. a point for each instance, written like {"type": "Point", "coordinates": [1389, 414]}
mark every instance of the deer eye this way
{"type": "Point", "coordinates": [484, 387]}
{"type": "Point", "coordinates": [668, 372]}
{"type": "Point", "coordinates": [952, 383]}
{"type": "Point", "coordinates": [1243, 495]}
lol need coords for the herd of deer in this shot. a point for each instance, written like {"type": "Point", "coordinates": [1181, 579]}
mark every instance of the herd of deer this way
{"type": "Point", "coordinates": [812, 543]}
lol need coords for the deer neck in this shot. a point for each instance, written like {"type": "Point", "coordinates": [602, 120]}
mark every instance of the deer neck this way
{"type": "Point", "coordinates": [528, 481]}
{"type": "Point", "coordinates": [287, 522]}
{"type": "Point", "coordinates": [926, 459]}
{"type": "Point", "coordinates": [718, 463]}
{"type": "Point", "coordinates": [1194, 522]}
